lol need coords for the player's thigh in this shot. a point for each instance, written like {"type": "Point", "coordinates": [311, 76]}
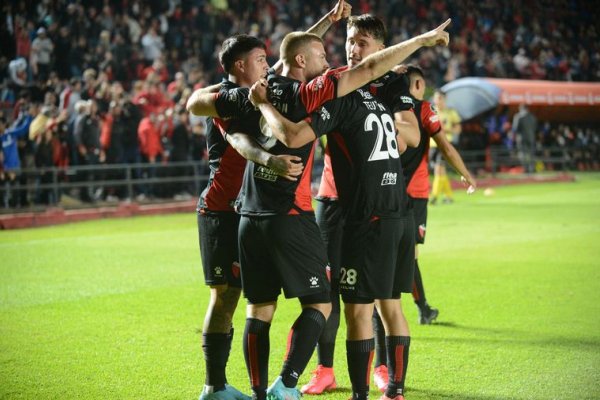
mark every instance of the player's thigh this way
{"type": "Point", "coordinates": [299, 255]}
{"type": "Point", "coordinates": [260, 279]}
{"type": "Point", "coordinates": [405, 257]}
{"type": "Point", "coordinates": [218, 241]}
{"type": "Point", "coordinates": [330, 221]}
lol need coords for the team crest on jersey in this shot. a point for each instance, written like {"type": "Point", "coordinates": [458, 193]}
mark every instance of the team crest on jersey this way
{"type": "Point", "coordinates": [232, 95]}
{"type": "Point", "coordinates": [319, 82]}
{"type": "Point", "coordinates": [389, 178]}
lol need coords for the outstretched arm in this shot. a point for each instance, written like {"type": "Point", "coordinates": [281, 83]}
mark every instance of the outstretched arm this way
{"type": "Point", "coordinates": [384, 60]}
{"type": "Point", "coordinates": [291, 134]}
{"type": "Point", "coordinates": [286, 166]}
{"type": "Point", "coordinates": [407, 127]}
{"type": "Point", "coordinates": [455, 160]}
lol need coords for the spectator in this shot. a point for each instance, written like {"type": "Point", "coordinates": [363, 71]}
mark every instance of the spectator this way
{"type": "Point", "coordinates": [41, 55]}
{"type": "Point", "coordinates": [525, 127]}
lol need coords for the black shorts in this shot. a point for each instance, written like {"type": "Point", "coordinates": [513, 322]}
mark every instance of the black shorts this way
{"type": "Point", "coordinates": [331, 222]}
{"type": "Point", "coordinates": [217, 234]}
{"type": "Point", "coordinates": [282, 252]}
{"type": "Point", "coordinates": [378, 259]}
{"type": "Point", "coordinates": [419, 207]}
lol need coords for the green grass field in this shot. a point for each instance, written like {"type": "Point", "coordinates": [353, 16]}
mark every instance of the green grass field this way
{"type": "Point", "coordinates": [113, 309]}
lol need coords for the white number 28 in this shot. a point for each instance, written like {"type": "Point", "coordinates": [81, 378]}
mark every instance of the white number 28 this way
{"type": "Point", "coordinates": [384, 126]}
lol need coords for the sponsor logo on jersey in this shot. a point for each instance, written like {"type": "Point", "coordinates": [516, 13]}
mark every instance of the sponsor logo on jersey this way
{"type": "Point", "coordinates": [365, 94]}
{"type": "Point", "coordinates": [434, 118]}
{"type": "Point", "coordinates": [324, 114]}
{"type": "Point", "coordinates": [266, 139]}
{"type": "Point", "coordinates": [407, 100]}
{"type": "Point", "coordinates": [389, 178]}
{"type": "Point", "coordinates": [265, 173]}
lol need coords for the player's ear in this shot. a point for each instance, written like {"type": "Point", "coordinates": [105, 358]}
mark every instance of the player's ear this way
{"type": "Point", "coordinates": [300, 60]}
{"type": "Point", "coordinates": [239, 65]}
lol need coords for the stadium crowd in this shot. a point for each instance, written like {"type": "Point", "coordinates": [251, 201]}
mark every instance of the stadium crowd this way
{"type": "Point", "coordinates": [86, 83]}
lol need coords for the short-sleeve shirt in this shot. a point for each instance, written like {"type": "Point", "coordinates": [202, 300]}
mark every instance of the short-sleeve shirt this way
{"type": "Point", "coordinates": [393, 89]}
{"type": "Point", "coordinates": [225, 163]}
{"type": "Point", "coordinates": [364, 155]}
{"type": "Point", "coordinates": [414, 159]}
{"type": "Point", "coordinates": [263, 191]}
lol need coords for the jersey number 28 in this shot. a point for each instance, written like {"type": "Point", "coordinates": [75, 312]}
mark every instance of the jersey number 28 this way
{"type": "Point", "coordinates": [385, 127]}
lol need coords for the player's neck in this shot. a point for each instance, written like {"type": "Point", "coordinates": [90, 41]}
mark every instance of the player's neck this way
{"type": "Point", "coordinates": [294, 73]}
{"type": "Point", "coordinates": [240, 81]}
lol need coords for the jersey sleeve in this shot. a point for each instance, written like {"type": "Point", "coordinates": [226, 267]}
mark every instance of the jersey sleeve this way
{"type": "Point", "coordinates": [321, 89]}
{"type": "Point", "coordinates": [430, 119]}
{"type": "Point", "coordinates": [396, 94]}
{"type": "Point", "coordinates": [328, 117]}
{"type": "Point", "coordinates": [232, 102]}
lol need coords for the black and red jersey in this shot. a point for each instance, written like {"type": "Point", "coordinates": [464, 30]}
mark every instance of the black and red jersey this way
{"type": "Point", "coordinates": [391, 88]}
{"type": "Point", "coordinates": [414, 159]}
{"type": "Point", "coordinates": [263, 191]}
{"type": "Point", "coordinates": [364, 155]}
{"type": "Point", "coordinates": [225, 163]}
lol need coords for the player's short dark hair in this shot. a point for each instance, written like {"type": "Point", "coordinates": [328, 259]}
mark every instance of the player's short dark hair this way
{"type": "Point", "coordinates": [368, 24]}
{"type": "Point", "coordinates": [293, 42]}
{"type": "Point", "coordinates": [236, 47]}
{"type": "Point", "coordinates": [414, 70]}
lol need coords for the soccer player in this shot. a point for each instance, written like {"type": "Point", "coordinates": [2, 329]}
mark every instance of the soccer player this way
{"type": "Point", "coordinates": [244, 59]}
{"type": "Point", "coordinates": [365, 36]}
{"type": "Point", "coordinates": [416, 174]}
{"type": "Point", "coordinates": [450, 122]}
{"type": "Point", "coordinates": [378, 241]}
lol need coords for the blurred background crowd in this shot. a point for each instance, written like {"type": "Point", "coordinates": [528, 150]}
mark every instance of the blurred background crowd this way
{"type": "Point", "coordinates": [106, 81]}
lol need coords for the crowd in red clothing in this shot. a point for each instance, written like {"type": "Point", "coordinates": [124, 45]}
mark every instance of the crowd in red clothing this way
{"type": "Point", "coordinates": [112, 76]}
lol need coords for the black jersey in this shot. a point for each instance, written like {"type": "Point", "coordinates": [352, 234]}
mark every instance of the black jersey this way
{"type": "Point", "coordinates": [263, 191]}
{"type": "Point", "coordinates": [364, 155]}
{"type": "Point", "coordinates": [225, 163]}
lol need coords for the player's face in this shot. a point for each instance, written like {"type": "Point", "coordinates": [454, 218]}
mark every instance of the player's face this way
{"type": "Point", "coordinates": [255, 65]}
{"type": "Point", "coordinates": [359, 46]}
{"type": "Point", "coordinates": [439, 101]}
{"type": "Point", "coordinates": [316, 60]}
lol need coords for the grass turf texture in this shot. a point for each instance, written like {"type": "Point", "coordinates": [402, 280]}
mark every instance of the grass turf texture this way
{"type": "Point", "coordinates": [113, 309]}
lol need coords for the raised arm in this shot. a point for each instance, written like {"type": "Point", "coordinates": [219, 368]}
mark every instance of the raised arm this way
{"type": "Point", "coordinates": [291, 134]}
{"type": "Point", "coordinates": [455, 160]}
{"type": "Point", "coordinates": [340, 11]}
{"type": "Point", "coordinates": [202, 101]}
{"type": "Point", "coordinates": [375, 65]}
{"type": "Point", "coordinates": [286, 166]}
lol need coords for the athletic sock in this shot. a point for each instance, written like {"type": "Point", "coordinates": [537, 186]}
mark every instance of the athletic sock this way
{"type": "Point", "coordinates": [326, 346]}
{"type": "Point", "coordinates": [302, 340]}
{"type": "Point", "coordinates": [418, 289]}
{"type": "Point", "coordinates": [256, 354]}
{"type": "Point", "coordinates": [216, 348]}
{"type": "Point", "coordinates": [398, 349]}
{"type": "Point", "coordinates": [380, 347]}
{"type": "Point", "coordinates": [359, 354]}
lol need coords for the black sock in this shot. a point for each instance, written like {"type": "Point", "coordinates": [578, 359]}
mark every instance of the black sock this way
{"type": "Point", "coordinates": [398, 349]}
{"type": "Point", "coordinates": [326, 346]}
{"type": "Point", "coordinates": [216, 348]}
{"type": "Point", "coordinates": [302, 340]}
{"type": "Point", "coordinates": [380, 348]}
{"type": "Point", "coordinates": [256, 354]}
{"type": "Point", "coordinates": [360, 356]}
{"type": "Point", "coordinates": [418, 289]}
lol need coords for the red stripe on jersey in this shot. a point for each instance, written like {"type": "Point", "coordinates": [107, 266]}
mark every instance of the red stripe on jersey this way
{"type": "Point", "coordinates": [227, 181]}
{"type": "Point", "coordinates": [418, 187]}
{"type": "Point", "coordinates": [253, 359]}
{"type": "Point", "coordinates": [399, 354]}
{"type": "Point", "coordinates": [302, 197]}
{"type": "Point", "coordinates": [319, 90]}
{"type": "Point", "coordinates": [327, 189]}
